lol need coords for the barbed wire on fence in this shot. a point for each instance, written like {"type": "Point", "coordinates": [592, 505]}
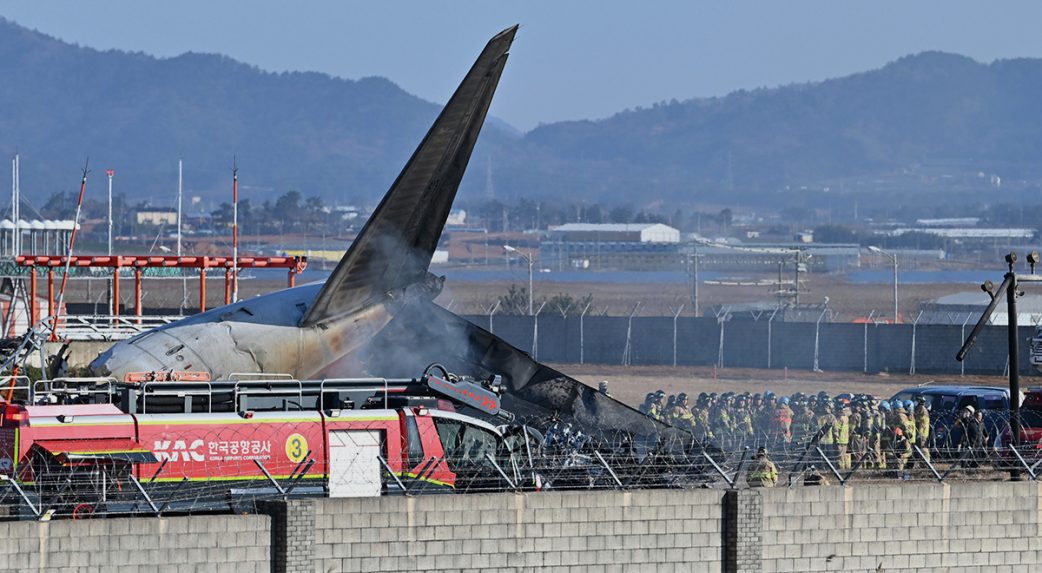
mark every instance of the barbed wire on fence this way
{"type": "Point", "coordinates": [233, 470]}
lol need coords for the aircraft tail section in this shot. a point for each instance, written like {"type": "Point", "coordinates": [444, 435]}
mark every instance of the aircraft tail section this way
{"type": "Point", "coordinates": [395, 247]}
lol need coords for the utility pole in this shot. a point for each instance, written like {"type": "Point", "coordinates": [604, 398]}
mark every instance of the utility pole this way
{"type": "Point", "coordinates": [110, 173]}
{"type": "Point", "coordinates": [893, 259]}
{"type": "Point", "coordinates": [179, 181]}
{"type": "Point", "coordinates": [112, 286]}
{"type": "Point", "coordinates": [694, 280]}
{"type": "Point", "coordinates": [235, 231]}
{"type": "Point", "coordinates": [16, 200]}
{"type": "Point", "coordinates": [528, 259]}
{"type": "Point", "coordinates": [1009, 287]}
{"type": "Point", "coordinates": [799, 262]}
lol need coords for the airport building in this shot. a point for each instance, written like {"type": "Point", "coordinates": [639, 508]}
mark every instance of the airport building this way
{"type": "Point", "coordinates": [613, 246]}
{"type": "Point", "coordinates": [751, 257]}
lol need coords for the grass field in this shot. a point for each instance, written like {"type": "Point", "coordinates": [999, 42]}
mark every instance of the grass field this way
{"type": "Point", "coordinates": [845, 299]}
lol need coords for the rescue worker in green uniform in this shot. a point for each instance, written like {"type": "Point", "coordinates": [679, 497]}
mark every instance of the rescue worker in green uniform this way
{"type": "Point", "coordinates": [878, 433]}
{"type": "Point", "coordinates": [901, 444]}
{"type": "Point", "coordinates": [703, 429]}
{"type": "Point", "coordinates": [802, 423]}
{"type": "Point", "coordinates": [763, 472]}
{"type": "Point", "coordinates": [922, 426]}
{"type": "Point", "coordinates": [860, 429]}
{"type": "Point", "coordinates": [911, 431]}
{"type": "Point", "coordinates": [681, 416]}
{"type": "Point", "coordinates": [842, 436]}
{"type": "Point", "coordinates": [826, 423]}
{"type": "Point", "coordinates": [721, 424]}
{"type": "Point", "coordinates": [743, 419]}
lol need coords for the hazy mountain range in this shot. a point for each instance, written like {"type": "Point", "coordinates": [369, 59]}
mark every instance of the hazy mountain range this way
{"type": "Point", "coordinates": [928, 122]}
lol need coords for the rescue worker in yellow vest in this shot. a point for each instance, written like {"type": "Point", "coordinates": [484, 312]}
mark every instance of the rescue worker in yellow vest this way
{"type": "Point", "coordinates": [743, 420]}
{"type": "Point", "coordinates": [879, 430]}
{"type": "Point", "coordinates": [842, 435]}
{"type": "Point", "coordinates": [681, 416]}
{"type": "Point", "coordinates": [763, 472]}
{"type": "Point", "coordinates": [911, 431]}
{"type": "Point", "coordinates": [922, 426]}
{"type": "Point", "coordinates": [659, 410]}
{"type": "Point", "coordinates": [826, 430]}
{"type": "Point", "coordinates": [902, 444]}
{"type": "Point", "coordinates": [721, 424]}
{"type": "Point", "coordinates": [803, 423]}
{"type": "Point", "coordinates": [860, 430]}
{"type": "Point", "coordinates": [703, 431]}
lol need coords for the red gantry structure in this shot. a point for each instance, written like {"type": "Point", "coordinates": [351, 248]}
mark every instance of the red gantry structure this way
{"type": "Point", "coordinates": [294, 265]}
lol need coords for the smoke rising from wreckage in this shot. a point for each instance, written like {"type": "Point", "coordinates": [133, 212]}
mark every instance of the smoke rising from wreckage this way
{"type": "Point", "coordinates": [375, 313]}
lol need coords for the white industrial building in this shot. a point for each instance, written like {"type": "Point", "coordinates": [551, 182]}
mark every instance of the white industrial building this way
{"type": "Point", "coordinates": [966, 308]}
{"type": "Point", "coordinates": [614, 246]}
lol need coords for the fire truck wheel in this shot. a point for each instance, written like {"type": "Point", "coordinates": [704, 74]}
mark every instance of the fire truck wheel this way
{"type": "Point", "coordinates": [83, 511]}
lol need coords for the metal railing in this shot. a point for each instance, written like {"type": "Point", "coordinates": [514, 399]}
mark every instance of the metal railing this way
{"type": "Point", "coordinates": [108, 328]}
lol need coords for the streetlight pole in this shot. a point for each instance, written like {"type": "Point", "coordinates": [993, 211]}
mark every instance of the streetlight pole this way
{"type": "Point", "coordinates": [893, 259]}
{"type": "Point", "coordinates": [110, 173]}
{"type": "Point", "coordinates": [528, 259]}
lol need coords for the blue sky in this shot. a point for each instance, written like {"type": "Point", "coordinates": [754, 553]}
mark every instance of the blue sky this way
{"type": "Point", "coordinates": [572, 60]}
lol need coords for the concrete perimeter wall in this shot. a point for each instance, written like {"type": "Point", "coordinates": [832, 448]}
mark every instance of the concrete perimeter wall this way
{"type": "Point", "coordinates": [988, 526]}
{"type": "Point", "coordinates": [237, 544]}
{"type": "Point", "coordinates": [962, 526]}
{"type": "Point", "coordinates": [625, 531]}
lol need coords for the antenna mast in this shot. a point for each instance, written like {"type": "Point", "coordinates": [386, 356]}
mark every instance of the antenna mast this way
{"type": "Point", "coordinates": [68, 256]}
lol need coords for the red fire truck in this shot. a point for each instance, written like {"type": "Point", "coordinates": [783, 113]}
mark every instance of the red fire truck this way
{"type": "Point", "coordinates": [182, 443]}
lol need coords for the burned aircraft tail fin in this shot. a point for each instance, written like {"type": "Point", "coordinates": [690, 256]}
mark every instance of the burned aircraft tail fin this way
{"type": "Point", "coordinates": [395, 247]}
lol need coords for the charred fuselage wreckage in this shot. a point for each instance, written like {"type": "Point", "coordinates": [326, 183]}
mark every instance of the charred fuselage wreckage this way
{"type": "Point", "coordinates": [375, 313]}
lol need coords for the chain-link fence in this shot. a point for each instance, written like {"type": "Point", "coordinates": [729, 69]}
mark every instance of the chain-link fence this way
{"type": "Point", "coordinates": [813, 338]}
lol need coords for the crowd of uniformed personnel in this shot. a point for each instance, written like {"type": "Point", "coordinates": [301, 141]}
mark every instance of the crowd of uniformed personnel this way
{"type": "Point", "coordinates": [848, 428]}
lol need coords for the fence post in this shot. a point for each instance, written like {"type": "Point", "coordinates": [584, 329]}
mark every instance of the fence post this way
{"type": "Point", "coordinates": [962, 363]}
{"type": "Point", "coordinates": [721, 318]}
{"type": "Point", "coordinates": [582, 334]}
{"type": "Point", "coordinates": [864, 368]}
{"type": "Point", "coordinates": [911, 369]}
{"type": "Point", "coordinates": [492, 310]}
{"type": "Point", "coordinates": [817, 330]}
{"type": "Point", "coordinates": [535, 332]}
{"type": "Point", "coordinates": [770, 340]}
{"type": "Point", "coordinates": [627, 358]}
{"type": "Point", "coordinates": [675, 315]}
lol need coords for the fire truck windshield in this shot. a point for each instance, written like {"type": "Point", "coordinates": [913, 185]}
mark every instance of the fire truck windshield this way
{"type": "Point", "coordinates": [465, 444]}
